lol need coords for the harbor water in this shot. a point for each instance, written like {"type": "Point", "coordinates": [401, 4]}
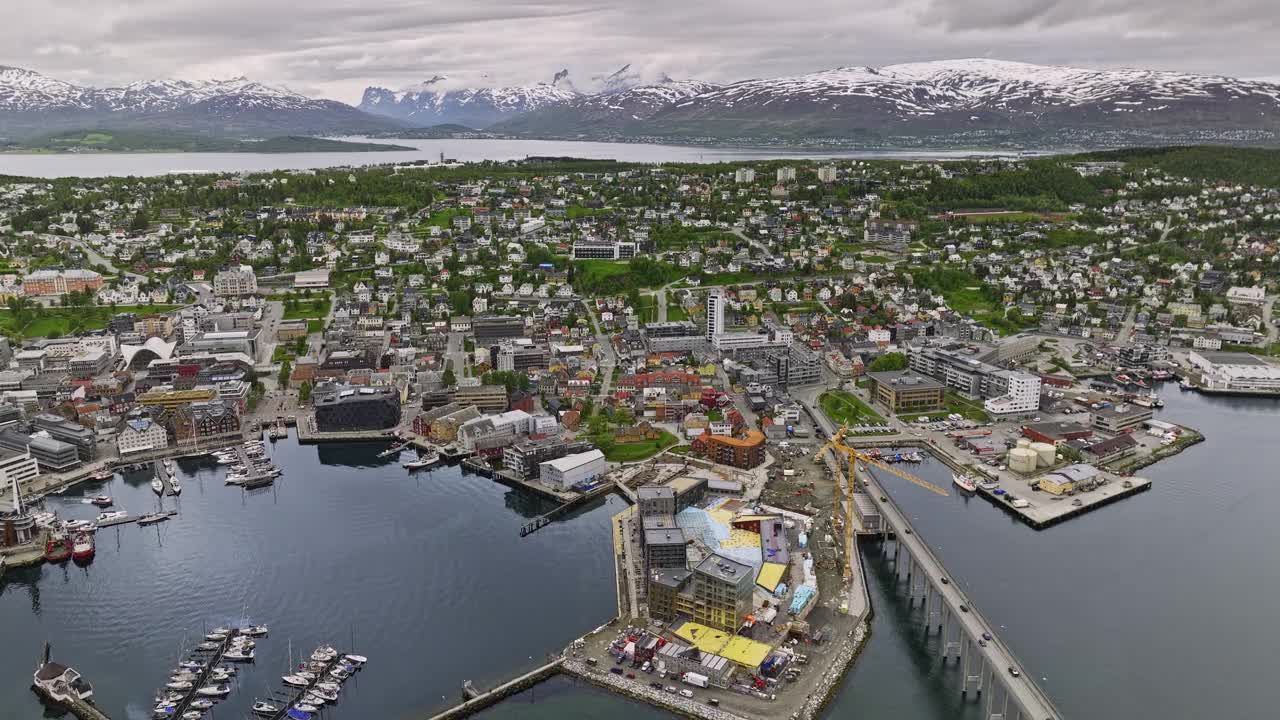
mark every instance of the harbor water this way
{"type": "Point", "coordinates": [1155, 606]}
{"type": "Point", "coordinates": [424, 573]}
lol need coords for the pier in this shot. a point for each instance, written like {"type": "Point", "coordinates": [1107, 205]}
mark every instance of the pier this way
{"type": "Point", "coordinates": [210, 660]}
{"type": "Point", "coordinates": [545, 519]}
{"type": "Point", "coordinates": [482, 700]}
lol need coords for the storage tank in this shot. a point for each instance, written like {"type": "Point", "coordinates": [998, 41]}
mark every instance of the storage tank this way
{"type": "Point", "coordinates": [1023, 460]}
{"type": "Point", "coordinates": [1024, 442]}
{"type": "Point", "coordinates": [1048, 453]}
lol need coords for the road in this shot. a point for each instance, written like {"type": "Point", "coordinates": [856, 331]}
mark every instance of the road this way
{"type": "Point", "coordinates": [1126, 327]}
{"type": "Point", "coordinates": [97, 259]}
{"type": "Point", "coordinates": [609, 357]}
{"type": "Point", "coordinates": [455, 353]}
{"type": "Point", "coordinates": [755, 243]}
{"type": "Point", "coordinates": [1024, 690]}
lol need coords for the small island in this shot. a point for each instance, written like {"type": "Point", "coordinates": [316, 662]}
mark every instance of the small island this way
{"type": "Point", "coordinates": [108, 141]}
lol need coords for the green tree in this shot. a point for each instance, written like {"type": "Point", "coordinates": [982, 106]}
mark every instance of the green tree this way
{"type": "Point", "coordinates": [286, 369]}
{"type": "Point", "coordinates": [304, 392]}
{"type": "Point", "coordinates": [888, 361]}
{"type": "Point", "coordinates": [448, 378]}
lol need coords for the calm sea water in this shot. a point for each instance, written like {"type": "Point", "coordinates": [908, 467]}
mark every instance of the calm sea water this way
{"type": "Point", "coordinates": [147, 164]}
{"type": "Point", "coordinates": [1156, 606]}
{"type": "Point", "coordinates": [425, 574]}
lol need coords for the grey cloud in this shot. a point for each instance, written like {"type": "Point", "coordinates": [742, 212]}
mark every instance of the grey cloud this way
{"type": "Point", "coordinates": [335, 47]}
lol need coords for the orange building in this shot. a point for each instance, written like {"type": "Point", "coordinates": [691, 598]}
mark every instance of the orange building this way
{"type": "Point", "coordinates": [60, 282]}
{"type": "Point", "coordinates": [745, 452]}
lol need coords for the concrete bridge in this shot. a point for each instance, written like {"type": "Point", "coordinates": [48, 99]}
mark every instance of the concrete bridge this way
{"type": "Point", "coordinates": [987, 668]}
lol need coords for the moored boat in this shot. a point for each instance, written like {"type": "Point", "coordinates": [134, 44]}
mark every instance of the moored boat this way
{"type": "Point", "coordinates": [82, 548]}
{"type": "Point", "coordinates": [964, 482]}
{"type": "Point", "coordinates": [156, 485]}
{"type": "Point", "coordinates": [218, 690]}
{"type": "Point", "coordinates": [57, 549]}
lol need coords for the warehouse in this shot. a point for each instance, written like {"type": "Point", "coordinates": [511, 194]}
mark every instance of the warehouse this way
{"type": "Point", "coordinates": [571, 470]}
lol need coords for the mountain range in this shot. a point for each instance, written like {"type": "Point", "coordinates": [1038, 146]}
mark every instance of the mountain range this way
{"type": "Point", "coordinates": [32, 104]}
{"type": "Point", "coordinates": [969, 100]}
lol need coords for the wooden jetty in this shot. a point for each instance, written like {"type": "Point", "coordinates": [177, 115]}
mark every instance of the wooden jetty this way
{"type": "Point", "coordinates": [210, 658]}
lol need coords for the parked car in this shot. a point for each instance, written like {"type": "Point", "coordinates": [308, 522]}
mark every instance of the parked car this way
{"type": "Point", "coordinates": [686, 693]}
{"type": "Point", "coordinates": [615, 670]}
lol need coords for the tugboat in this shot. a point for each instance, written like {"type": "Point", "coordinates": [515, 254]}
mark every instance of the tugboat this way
{"type": "Point", "coordinates": [82, 549]}
{"type": "Point", "coordinates": [58, 548]}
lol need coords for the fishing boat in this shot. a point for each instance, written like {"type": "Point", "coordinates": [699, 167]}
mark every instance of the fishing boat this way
{"type": "Point", "coordinates": [82, 548]}
{"type": "Point", "coordinates": [57, 549]}
{"type": "Point", "coordinates": [964, 482]}
{"type": "Point", "coordinates": [102, 501]}
{"type": "Point", "coordinates": [419, 463]}
{"type": "Point", "coordinates": [156, 485]}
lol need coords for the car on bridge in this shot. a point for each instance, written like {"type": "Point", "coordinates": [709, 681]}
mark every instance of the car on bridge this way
{"type": "Point", "coordinates": [1014, 671]}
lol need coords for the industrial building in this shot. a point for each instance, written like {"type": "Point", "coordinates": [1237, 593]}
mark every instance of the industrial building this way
{"type": "Point", "coordinates": [343, 408]}
{"type": "Point", "coordinates": [1121, 418]}
{"type": "Point", "coordinates": [905, 391]}
{"type": "Point", "coordinates": [1237, 372]}
{"type": "Point", "coordinates": [571, 470]}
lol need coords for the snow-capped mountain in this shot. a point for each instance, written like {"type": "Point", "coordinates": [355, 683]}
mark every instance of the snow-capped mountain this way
{"type": "Point", "coordinates": [975, 94]}
{"type": "Point", "coordinates": [434, 103]}
{"type": "Point", "coordinates": [31, 103]}
{"type": "Point", "coordinates": [612, 113]}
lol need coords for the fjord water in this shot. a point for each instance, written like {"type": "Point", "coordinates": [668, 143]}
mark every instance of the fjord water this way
{"type": "Point", "coordinates": [52, 165]}
{"type": "Point", "coordinates": [1157, 606]}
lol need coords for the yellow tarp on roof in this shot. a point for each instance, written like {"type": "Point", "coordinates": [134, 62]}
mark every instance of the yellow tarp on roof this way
{"type": "Point", "coordinates": [745, 652]}
{"type": "Point", "coordinates": [770, 575]}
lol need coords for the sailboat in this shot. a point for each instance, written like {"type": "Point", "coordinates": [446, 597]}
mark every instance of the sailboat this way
{"type": "Point", "coordinates": [964, 482]}
{"type": "Point", "coordinates": [156, 485]}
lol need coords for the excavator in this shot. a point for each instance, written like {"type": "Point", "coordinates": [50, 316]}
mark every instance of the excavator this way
{"type": "Point", "coordinates": [854, 457]}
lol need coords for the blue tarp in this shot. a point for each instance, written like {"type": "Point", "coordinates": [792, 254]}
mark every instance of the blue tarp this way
{"type": "Point", "coordinates": [803, 594]}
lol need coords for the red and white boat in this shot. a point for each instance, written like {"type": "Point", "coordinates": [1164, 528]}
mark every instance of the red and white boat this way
{"type": "Point", "coordinates": [964, 482]}
{"type": "Point", "coordinates": [82, 548]}
{"type": "Point", "coordinates": [102, 501]}
{"type": "Point", "coordinates": [58, 548]}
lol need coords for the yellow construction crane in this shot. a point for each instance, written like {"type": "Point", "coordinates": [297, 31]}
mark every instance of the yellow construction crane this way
{"type": "Point", "coordinates": [856, 456]}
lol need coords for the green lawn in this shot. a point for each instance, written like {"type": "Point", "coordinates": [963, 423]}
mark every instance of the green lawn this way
{"type": "Point", "coordinates": [846, 409]}
{"type": "Point", "coordinates": [632, 452]}
{"type": "Point", "coordinates": [675, 311]}
{"type": "Point", "coordinates": [315, 325]}
{"type": "Point", "coordinates": [970, 409]}
{"type": "Point", "coordinates": [306, 309]}
{"type": "Point", "coordinates": [49, 322]}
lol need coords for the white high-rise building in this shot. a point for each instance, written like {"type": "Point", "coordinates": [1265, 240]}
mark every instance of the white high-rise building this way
{"type": "Point", "coordinates": [745, 175]}
{"type": "Point", "coordinates": [715, 314]}
{"type": "Point", "coordinates": [786, 174]}
{"type": "Point", "coordinates": [1021, 393]}
{"type": "Point", "coordinates": [827, 173]}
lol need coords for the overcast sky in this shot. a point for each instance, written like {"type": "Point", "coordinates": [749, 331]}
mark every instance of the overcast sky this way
{"type": "Point", "coordinates": [334, 48]}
